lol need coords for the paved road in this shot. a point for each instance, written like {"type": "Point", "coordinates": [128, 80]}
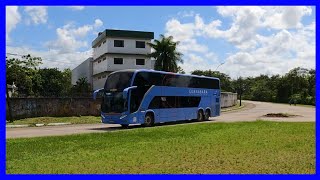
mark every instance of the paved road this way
{"type": "Point", "coordinates": [251, 112]}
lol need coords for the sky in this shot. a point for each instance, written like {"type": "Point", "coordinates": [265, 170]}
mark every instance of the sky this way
{"type": "Point", "coordinates": [239, 41]}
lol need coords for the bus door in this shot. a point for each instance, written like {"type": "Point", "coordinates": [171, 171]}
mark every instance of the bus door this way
{"type": "Point", "coordinates": [168, 108]}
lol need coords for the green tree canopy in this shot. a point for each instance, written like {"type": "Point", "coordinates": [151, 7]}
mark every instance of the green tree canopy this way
{"type": "Point", "coordinates": [21, 71]}
{"type": "Point", "coordinates": [166, 54]}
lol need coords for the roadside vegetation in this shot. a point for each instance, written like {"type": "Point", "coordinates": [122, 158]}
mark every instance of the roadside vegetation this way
{"type": "Point", "coordinates": [223, 148]}
{"type": "Point", "coordinates": [47, 120]}
{"type": "Point", "coordinates": [296, 86]}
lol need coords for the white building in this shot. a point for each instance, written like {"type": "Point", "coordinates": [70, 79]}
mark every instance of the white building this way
{"type": "Point", "coordinates": [119, 49]}
{"type": "Point", "coordinates": [82, 70]}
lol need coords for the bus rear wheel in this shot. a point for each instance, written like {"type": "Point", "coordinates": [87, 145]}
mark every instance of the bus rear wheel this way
{"type": "Point", "coordinates": [207, 115]}
{"type": "Point", "coordinates": [148, 120]}
{"type": "Point", "coordinates": [200, 116]}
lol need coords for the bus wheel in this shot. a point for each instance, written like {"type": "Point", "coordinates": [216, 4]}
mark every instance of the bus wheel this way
{"type": "Point", "coordinates": [148, 120]}
{"type": "Point", "coordinates": [207, 115]}
{"type": "Point", "coordinates": [125, 126]}
{"type": "Point", "coordinates": [200, 116]}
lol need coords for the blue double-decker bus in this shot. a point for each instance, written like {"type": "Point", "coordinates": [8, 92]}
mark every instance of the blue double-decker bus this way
{"type": "Point", "coordinates": [148, 97]}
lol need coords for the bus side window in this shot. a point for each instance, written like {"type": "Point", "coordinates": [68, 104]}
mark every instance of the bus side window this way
{"type": "Point", "coordinates": [155, 103]}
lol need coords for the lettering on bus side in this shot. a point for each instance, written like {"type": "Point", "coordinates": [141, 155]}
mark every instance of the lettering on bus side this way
{"type": "Point", "coordinates": [198, 91]}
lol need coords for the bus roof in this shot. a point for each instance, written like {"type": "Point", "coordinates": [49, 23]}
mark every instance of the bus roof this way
{"type": "Point", "coordinates": [163, 72]}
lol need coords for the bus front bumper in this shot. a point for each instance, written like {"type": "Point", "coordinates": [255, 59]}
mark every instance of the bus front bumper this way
{"type": "Point", "coordinates": [118, 119]}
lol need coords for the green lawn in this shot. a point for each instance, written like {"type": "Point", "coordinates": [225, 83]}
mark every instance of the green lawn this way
{"type": "Point", "coordinates": [46, 120]}
{"type": "Point", "coordinates": [244, 147]}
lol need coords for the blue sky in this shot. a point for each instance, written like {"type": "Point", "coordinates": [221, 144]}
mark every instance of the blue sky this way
{"type": "Point", "coordinates": [248, 40]}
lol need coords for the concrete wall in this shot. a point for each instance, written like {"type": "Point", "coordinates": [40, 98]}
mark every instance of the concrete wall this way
{"type": "Point", "coordinates": [37, 107]}
{"type": "Point", "coordinates": [228, 99]}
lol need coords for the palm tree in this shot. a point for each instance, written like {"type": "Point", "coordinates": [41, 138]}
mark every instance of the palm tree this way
{"type": "Point", "coordinates": [166, 54]}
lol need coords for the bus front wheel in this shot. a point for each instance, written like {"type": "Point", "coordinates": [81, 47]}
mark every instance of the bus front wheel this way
{"type": "Point", "coordinates": [148, 120]}
{"type": "Point", "coordinates": [125, 126]}
{"type": "Point", "coordinates": [200, 116]}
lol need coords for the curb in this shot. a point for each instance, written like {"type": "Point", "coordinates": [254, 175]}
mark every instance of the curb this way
{"type": "Point", "coordinates": [37, 125]}
{"type": "Point", "coordinates": [58, 124]}
{"type": "Point", "coordinates": [240, 107]}
{"type": "Point", "coordinates": [17, 126]}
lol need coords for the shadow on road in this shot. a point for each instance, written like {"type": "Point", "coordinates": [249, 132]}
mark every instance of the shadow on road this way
{"type": "Point", "coordinates": [141, 126]}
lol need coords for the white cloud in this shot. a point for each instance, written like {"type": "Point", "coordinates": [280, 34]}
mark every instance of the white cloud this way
{"type": "Point", "coordinates": [70, 38]}
{"type": "Point", "coordinates": [292, 43]}
{"type": "Point", "coordinates": [285, 17]}
{"type": "Point", "coordinates": [13, 17]}
{"type": "Point", "coordinates": [53, 59]}
{"type": "Point", "coordinates": [37, 14]}
{"type": "Point", "coordinates": [98, 23]}
{"type": "Point", "coordinates": [76, 8]}
{"type": "Point", "coordinates": [186, 14]}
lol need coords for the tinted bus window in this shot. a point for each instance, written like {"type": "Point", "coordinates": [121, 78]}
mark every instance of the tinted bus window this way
{"type": "Point", "coordinates": [159, 79]}
{"type": "Point", "coordinates": [148, 79]}
{"type": "Point", "coordinates": [160, 102]}
{"type": "Point", "coordinates": [118, 81]}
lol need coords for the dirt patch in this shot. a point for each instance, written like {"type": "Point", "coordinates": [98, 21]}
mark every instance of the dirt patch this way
{"type": "Point", "coordinates": [282, 115]}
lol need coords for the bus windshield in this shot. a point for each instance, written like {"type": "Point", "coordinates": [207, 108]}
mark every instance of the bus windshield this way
{"type": "Point", "coordinates": [113, 101]}
{"type": "Point", "coordinates": [118, 81]}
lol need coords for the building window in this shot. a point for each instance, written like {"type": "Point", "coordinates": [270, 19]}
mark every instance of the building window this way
{"type": "Point", "coordinates": [104, 42]}
{"type": "Point", "coordinates": [118, 43]}
{"type": "Point", "coordinates": [140, 62]}
{"type": "Point", "coordinates": [118, 61]}
{"type": "Point", "coordinates": [140, 44]}
{"type": "Point", "coordinates": [104, 58]}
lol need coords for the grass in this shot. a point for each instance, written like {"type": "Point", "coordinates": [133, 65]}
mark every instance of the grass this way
{"type": "Point", "coordinates": [46, 120]}
{"type": "Point", "coordinates": [244, 147]}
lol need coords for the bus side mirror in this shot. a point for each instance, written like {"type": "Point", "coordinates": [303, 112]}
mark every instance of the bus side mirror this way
{"type": "Point", "coordinates": [96, 92]}
{"type": "Point", "coordinates": [126, 91]}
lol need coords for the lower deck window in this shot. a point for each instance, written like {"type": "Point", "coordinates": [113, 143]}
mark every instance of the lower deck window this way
{"type": "Point", "coordinates": [161, 102]}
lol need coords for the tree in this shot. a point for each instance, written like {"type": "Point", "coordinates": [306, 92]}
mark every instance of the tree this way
{"type": "Point", "coordinates": [180, 70]}
{"type": "Point", "coordinates": [67, 85]}
{"type": "Point", "coordinates": [52, 82]}
{"type": "Point", "coordinates": [166, 54]}
{"type": "Point", "coordinates": [21, 72]}
{"type": "Point", "coordinates": [225, 80]}
{"type": "Point", "coordinates": [82, 87]}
